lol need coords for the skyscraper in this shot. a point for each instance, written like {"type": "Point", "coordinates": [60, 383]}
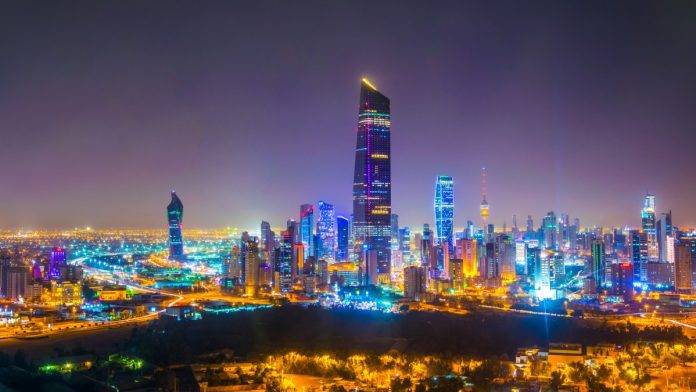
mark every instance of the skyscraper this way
{"type": "Point", "coordinates": [550, 227]}
{"type": "Point", "coordinates": [622, 280]}
{"type": "Point", "coordinates": [405, 244]}
{"type": "Point", "coordinates": [664, 235]}
{"type": "Point", "coordinates": [444, 211]}
{"type": "Point", "coordinates": [530, 224]}
{"type": "Point", "coordinates": [267, 242]}
{"type": "Point", "coordinates": [251, 266]}
{"type": "Point", "coordinates": [428, 258]}
{"type": "Point", "coordinates": [598, 263]}
{"type": "Point", "coordinates": [56, 262]}
{"type": "Point", "coordinates": [639, 253]}
{"type": "Point", "coordinates": [175, 216]}
{"type": "Point", "coordinates": [372, 177]}
{"type": "Point", "coordinates": [307, 229]}
{"type": "Point", "coordinates": [284, 264]}
{"type": "Point", "coordinates": [647, 215]}
{"type": "Point", "coordinates": [415, 282]}
{"type": "Point", "coordinates": [343, 236]}
{"type": "Point", "coordinates": [683, 280]}
{"type": "Point", "coordinates": [326, 228]}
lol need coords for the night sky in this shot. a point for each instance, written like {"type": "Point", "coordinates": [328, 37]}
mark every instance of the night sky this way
{"type": "Point", "coordinates": [249, 108]}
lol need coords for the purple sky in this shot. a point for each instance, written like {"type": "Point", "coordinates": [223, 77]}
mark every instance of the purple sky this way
{"type": "Point", "coordinates": [248, 108]}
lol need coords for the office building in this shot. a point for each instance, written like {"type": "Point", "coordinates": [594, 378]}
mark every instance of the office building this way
{"type": "Point", "coordinates": [683, 268]}
{"type": "Point", "coordinates": [444, 211]}
{"type": "Point", "coordinates": [175, 217]}
{"type": "Point", "coordinates": [372, 177]}
{"type": "Point", "coordinates": [649, 227]}
{"type": "Point", "coordinates": [251, 267]}
{"type": "Point", "coordinates": [57, 261]}
{"type": "Point", "coordinates": [622, 280]}
{"type": "Point", "coordinates": [550, 230]}
{"type": "Point", "coordinates": [307, 229]}
{"type": "Point", "coordinates": [326, 229]}
{"type": "Point", "coordinates": [342, 238]}
{"type": "Point", "coordinates": [598, 263]}
{"type": "Point", "coordinates": [267, 242]}
{"type": "Point", "coordinates": [415, 282]}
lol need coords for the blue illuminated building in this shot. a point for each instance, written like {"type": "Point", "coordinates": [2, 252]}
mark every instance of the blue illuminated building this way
{"type": "Point", "coordinates": [343, 236]}
{"type": "Point", "coordinates": [326, 229]}
{"type": "Point", "coordinates": [307, 229]}
{"type": "Point", "coordinates": [444, 211]}
{"type": "Point", "coordinates": [285, 257]}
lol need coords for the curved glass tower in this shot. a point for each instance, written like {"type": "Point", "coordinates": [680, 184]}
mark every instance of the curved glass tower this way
{"type": "Point", "coordinates": [175, 216]}
{"type": "Point", "coordinates": [444, 211]}
{"type": "Point", "coordinates": [372, 179]}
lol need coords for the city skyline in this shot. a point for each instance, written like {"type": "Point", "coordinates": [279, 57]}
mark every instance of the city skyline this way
{"type": "Point", "coordinates": [586, 132]}
{"type": "Point", "coordinates": [390, 195]}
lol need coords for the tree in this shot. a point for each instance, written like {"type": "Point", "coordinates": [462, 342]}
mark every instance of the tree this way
{"type": "Point", "coordinates": [557, 380]}
{"type": "Point", "coordinates": [398, 384]}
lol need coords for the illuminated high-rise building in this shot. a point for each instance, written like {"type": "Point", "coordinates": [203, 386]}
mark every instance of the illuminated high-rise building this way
{"type": "Point", "coordinates": [326, 228]}
{"type": "Point", "coordinates": [683, 275]}
{"type": "Point", "coordinates": [598, 263]}
{"type": "Point", "coordinates": [251, 266]}
{"type": "Point", "coordinates": [663, 229]}
{"type": "Point", "coordinates": [175, 217]}
{"type": "Point", "coordinates": [405, 244]}
{"type": "Point", "coordinates": [307, 229]}
{"type": "Point", "coordinates": [284, 263]}
{"type": "Point", "coordinates": [267, 242]}
{"type": "Point", "coordinates": [415, 282]}
{"type": "Point", "coordinates": [428, 257]}
{"type": "Point", "coordinates": [56, 262]}
{"type": "Point", "coordinates": [372, 178]}
{"type": "Point", "coordinates": [622, 280]}
{"type": "Point", "coordinates": [647, 215]}
{"type": "Point", "coordinates": [549, 225]}
{"type": "Point", "coordinates": [466, 251]}
{"type": "Point", "coordinates": [543, 274]}
{"type": "Point", "coordinates": [444, 211]}
{"type": "Point", "coordinates": [342, 238]}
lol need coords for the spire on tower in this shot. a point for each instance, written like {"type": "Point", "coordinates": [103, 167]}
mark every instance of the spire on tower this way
{"type": "Point", "coordinates": [484, 193]}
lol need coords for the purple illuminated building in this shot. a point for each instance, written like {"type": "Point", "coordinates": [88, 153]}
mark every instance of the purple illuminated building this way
{"type": "Point", "coordinates": [372, 179]}
{"type": "Point", "coordinates": [56, 262]}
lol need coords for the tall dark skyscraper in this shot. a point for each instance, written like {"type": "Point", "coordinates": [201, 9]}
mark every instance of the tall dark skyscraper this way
{"type": "Point", "coordinates": [372, 178]}
{"type": "Point", "coordinates": [175, 216]}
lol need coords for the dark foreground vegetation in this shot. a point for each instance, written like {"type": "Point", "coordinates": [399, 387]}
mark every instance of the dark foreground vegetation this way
{"type": "Point", "coordinates": [279, 336]}
{"type": "Point", "coordinates": [314, 330]}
